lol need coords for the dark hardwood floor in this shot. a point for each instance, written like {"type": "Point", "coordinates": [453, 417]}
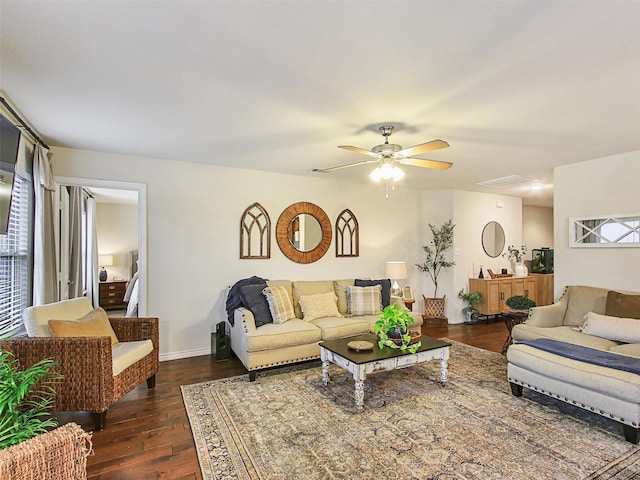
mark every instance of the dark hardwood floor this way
{"type": "Point", "coordinates": [148, 435]}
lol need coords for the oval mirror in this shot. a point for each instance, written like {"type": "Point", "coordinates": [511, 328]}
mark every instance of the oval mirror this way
{"type": "Point", "coordinates": [303, 232]}
{"type": "Point", "coordinates": [493, 239]}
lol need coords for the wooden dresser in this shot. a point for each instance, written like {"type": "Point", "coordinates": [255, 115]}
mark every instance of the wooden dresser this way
{"type": "Point", "coordinates": [112, 294]}
{"type": "Point", "coordinates": [496, 291]}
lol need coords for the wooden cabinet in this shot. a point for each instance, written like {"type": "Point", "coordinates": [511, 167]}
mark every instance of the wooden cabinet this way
{"type": "Point", "coordinates": [112, 295]}
{"type": "Point", "coordinates": [496, 291]}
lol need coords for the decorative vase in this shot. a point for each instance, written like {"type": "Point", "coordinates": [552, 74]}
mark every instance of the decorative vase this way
{"type": "Point", "coordinates": [520, 270]}
{"type": "Point", "coordinates": [103, 275]}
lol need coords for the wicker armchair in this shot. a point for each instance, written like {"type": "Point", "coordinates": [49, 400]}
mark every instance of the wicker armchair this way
{"type": "Point", "coordinates": [86, 363]}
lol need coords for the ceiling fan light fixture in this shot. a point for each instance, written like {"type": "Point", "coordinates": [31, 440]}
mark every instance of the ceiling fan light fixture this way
{"type": "Point", "coordinates": [386, 171]}
{"type": "Point", "coordinates": [376, 175]}
{"type": "Point", "coordinates": [397, 174]}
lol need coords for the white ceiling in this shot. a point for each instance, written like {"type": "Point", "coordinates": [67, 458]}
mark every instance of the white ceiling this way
{"type": "Point", "coordinates": [515, 87]}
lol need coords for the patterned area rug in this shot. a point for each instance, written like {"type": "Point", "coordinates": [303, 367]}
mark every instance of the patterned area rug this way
{"type": "Point", "coordinates": [287, 425]}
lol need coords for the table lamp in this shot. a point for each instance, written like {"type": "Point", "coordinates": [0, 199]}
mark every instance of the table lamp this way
{"type": "Point", "coordinates": [396, 271]}
{"type": "Point", "coordinates": [104, 261]}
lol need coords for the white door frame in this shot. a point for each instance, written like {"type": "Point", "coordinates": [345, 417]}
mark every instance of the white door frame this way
{"type": "Point", "coordinates": [141, 188]}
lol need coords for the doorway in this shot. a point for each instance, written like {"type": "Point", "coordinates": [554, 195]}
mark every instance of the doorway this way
{"type": "Point", "coordinates": [125, 260]}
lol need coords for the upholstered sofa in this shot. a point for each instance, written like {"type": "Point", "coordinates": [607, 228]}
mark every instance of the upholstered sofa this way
{"type": "Point", "coordinates": [101, 359]}
{"type": "Point", "coordinates": [261, 345]}
{"type": "Point", "coordinates": [607, 323]}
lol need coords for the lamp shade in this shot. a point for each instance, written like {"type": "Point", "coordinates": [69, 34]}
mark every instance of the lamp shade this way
{"type": "Point", "coordinates": [105, 260]}
{"type": "Point", "coordinates": [395, 270]}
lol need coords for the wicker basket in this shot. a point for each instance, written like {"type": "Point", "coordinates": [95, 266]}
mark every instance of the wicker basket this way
{"type": "Point", "coordinates": [434, 307]}
{"type": "Point", "coordinates": [415, 338]}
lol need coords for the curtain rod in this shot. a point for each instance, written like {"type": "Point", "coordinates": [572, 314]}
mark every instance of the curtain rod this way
{"type": "Point", "coordinates": [23, 123]}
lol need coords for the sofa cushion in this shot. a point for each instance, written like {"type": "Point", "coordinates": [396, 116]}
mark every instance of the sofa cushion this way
{"type": "Point", "coordinates": [279, 304]}
{"type": "Point", "coordinates": [631, 349]}
{"type": "Point", "coordinates": [385, 283]}
{"type": "Point", "coordinates": [614, 328]}
{"type": "Point", "coordinates": [319, 305]}
{"type": "Point", "coordinates": [309, 288]}
{"type": "Point", "coordinates": [125, 354]}
{"type": "Point", "coordinates": [622, 305]}
{"type": "Point", "coordinates": [93, 324]}
{"type": "Point", "coordinates": [564, 334]}
{"type": "Point", "coordinates": [279, 335]}
{"type": "Point", "coordinates": [255, 301]}
{"type": "Point", "coordinates": [583, 299]}
{"type": "Point", "coordinates": [340, 327]}
{"type": "Point", "coordinates": [364, 300]}
{"type": "Point", "coordinates": [340, 289]}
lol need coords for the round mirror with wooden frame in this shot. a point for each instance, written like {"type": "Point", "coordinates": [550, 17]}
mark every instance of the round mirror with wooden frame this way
{"type": "Point", "coordinates": [290, 232]}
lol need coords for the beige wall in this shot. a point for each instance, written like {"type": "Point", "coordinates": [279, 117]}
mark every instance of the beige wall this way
{"type": "Point", "coordinates": [537, 227]}
{"type": "Point", "coordinates": [193, 228]}
{"type": "Point", "coordinates": [596, 187]}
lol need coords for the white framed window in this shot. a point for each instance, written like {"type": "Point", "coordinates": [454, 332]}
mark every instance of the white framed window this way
{"type": "Point", "coordinates": [605, 231]}
{"type": "Point", "coordinates": [15, 259]}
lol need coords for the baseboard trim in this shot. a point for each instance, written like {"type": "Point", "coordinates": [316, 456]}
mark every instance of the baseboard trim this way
{"type": "Point", "coordinates": [164, 357]}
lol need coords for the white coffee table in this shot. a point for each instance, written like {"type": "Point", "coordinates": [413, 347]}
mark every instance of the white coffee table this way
{"type": "Point", "coordinates": [362, 363]}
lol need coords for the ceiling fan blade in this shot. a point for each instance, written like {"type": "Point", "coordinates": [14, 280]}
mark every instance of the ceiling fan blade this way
{"type": "Point", "coordinates": [423, 148]}
{"type": "Point", "coordinates": [418, 162]}
{"type": "Point", "coordinates": [358, 150]}
{"type": "Point", "coordinates": [340, 167]}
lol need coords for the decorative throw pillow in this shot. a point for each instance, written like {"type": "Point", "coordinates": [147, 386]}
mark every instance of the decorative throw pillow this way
{"type": "Point", "coordinates": [253, 299]}
{"type": "Point", "coordinates": [93, 324]}
{"type": "Point", "coordinates": [618, 329]}
{"type": "Point", "coordinates": [319, 306]}
{"type": "Point", "coordinates": [364, 300]}
{"type": "Point", "coordinates": [340, 289]}
{"type": "Point", "coordinates": [622, 305]}
{"type": "Point", "coordinates": [385, 283]}
{"type": "Point", "coordinates": [280, 304]}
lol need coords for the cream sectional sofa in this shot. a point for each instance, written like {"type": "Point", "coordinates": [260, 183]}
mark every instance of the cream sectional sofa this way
{"type": "Point", "coordinates": [297, 340]}
{"type": "Point", "coordinates": [583, 317]}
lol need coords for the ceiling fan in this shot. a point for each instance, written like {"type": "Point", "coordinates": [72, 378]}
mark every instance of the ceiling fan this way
{"type": "Point", "coordinates": [388, 155]}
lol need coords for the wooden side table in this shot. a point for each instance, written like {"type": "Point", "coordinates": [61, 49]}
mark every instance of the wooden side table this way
{"type": "Point", "coordinates": [409, 303]}
{"type": "Point", "coordinates": [511, 319]}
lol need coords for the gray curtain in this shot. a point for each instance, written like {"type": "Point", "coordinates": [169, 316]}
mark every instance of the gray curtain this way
{"type": "Point", "coordinates": [45, 271]}
{"type": "Point", "coordinates": [76, 263]}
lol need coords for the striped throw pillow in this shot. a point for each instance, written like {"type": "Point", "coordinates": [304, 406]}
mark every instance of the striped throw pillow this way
{"type": "Point", "coordinates": [364, 300]}
{"type": "Point", "coordinates": [280, 304]}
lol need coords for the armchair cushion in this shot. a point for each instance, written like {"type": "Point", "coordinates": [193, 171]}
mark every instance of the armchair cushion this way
{"type": "Point", "coordinates": [36, 319]}
{"type": "Point", "coordinates": [93, 324]}
{"type": "Point", "coordinates": [126, 354]}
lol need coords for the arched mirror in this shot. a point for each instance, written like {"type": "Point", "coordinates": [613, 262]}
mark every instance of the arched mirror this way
{"type": "Point", "coordinates": [303, 232]}
{"type": "Point", "coordinates": [493, 239]}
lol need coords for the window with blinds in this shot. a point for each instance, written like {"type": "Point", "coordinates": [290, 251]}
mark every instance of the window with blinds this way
{"type": "Point", "coordinates": [14, 261]}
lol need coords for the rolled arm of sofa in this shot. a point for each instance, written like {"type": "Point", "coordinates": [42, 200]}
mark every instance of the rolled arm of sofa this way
{"type": "Point", "coordinates": [395, 300]}
{"type": "Point", "coordinates": [547, 315]}
{"type": "Point", "coordinates": [243, 318]}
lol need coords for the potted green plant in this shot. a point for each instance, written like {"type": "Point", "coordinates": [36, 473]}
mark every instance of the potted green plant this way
{"type": "Point", "coordinates": [26, 396]}
{"type": "Point", "coordinates": [520, 303]}
{"type": "Point", "coordinates": [393, 329]}
{"type": "Point", "coordinates": [516, 257]}
{"type": "Point", "coordinates": [472, 298]}
{"type": "Point", "coordinates": [435, 263]}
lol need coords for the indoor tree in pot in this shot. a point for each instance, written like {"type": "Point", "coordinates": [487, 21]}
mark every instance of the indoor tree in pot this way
{"type": "Point", "coordinates": [393, 329]}
{"type": "Point", "coordinates": [472, 298]}
{"type": "Point", "coordinates": [435, 263]}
